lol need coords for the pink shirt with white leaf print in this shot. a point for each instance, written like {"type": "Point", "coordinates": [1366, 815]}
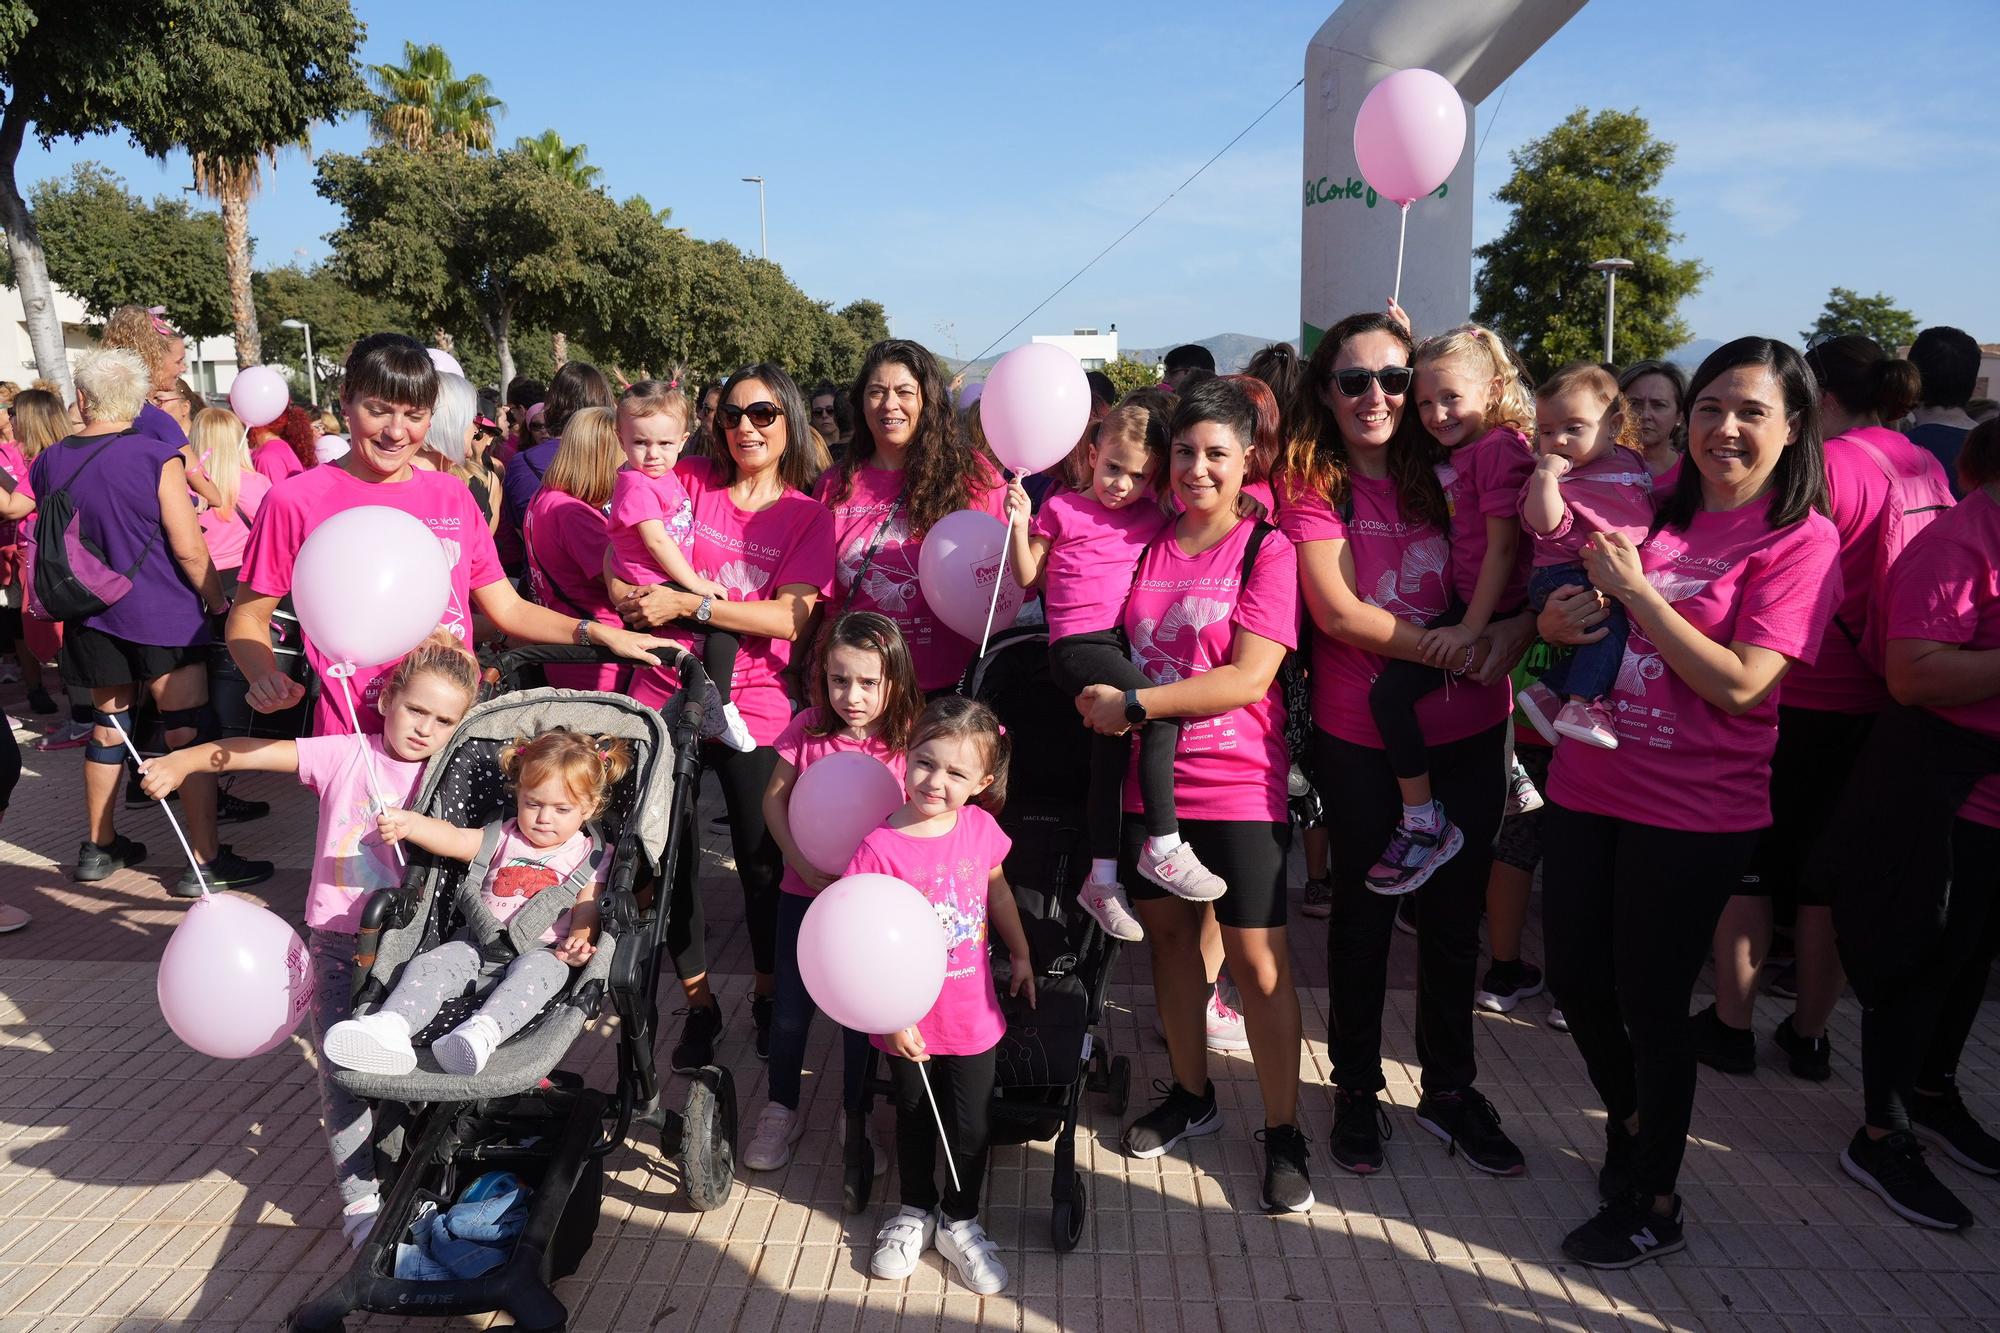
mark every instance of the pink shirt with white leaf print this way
{"type": "Point", "coordinates": [1681, 762]}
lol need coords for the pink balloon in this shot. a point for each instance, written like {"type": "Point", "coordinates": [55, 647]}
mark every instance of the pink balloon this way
{"type": "Point", "coordinates": [872, 953]}
{"type": "Point", "coordinates": [1409, 134]}
{"type": "Point", "coordinates": [837, 802]}
{"type": "Point", "coordinates": [956, 569]}
{"type": "Point", "coordinates": [1034, 407]}
{"type": "Point", "coordinates": [371, 583]}
{"type": "Point", "coordinates": [235, 979]}
{"type": "Point", "coordinates": [446, 363]}
{"type": "Point", "coordinates": [329, 448]}
{"type": "Point", "coordinates": [258, 395]}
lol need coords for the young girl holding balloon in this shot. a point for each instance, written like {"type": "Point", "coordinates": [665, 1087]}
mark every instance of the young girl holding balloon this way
{"type": "Point", "coordinates": [945, 842]}
{"type": "Point", "coordinates": [423, 698]}
{"type": "Point", "coordinates": [865, 701]}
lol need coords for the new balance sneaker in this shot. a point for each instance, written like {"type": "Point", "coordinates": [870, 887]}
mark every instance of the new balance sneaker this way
{"type": "Point", "coordinates": [466, 1048]}
{"type": "Point", "coordinates": [1468, 1123]}
{"type": "Point", "coordinates": [1809, 1057]}
{"type": "Point", "coordinates": [1181, 873]}
{"type": "Point", "coordinates": [1945, 1121]}
{"type": "Point", "coordinates": [1506, 985]}
{"type": "Point", "coordinates": [1626, 1232]}
{"type": "Point", "coordinates": [226, 871]}
{"type": "Point", "coordinates": [1111, 910]}
{"type": "Point", "coordinates": [1180, 1115]}
{"type": "Point", "coordinates": [1540, 704]}
{"type": "Point", "coordinates": [1225, 1030]}
{"type": "Point", "coordinates": [972, 1255]}
{"type": "Point", "coordinates": [1589, 722]}
{"type": "Point", "coordinates": [900, 1244]}
{"type": "Point", "coordinates": [1413, 856]}
{"type": "Point", "coordinates": [1318, 899]}
{"type": "Point", "coordinates": [1287, 1184]}
{"type": "Point", "coordinates": [1893, 1168]}
{"type": "Point", "coordinates": [94, 862]}
{"type": "Point", "coordinates": [696, 1046]}
{"type": "Point", "coordinates": [376, 1043]}
{"type": "Point", "coordinates": [761, 1009]}
{"type": "Point", "coordinates": [1359, 1126]}
{"type": "Point", "coordinates": [1618, 1176]}
{"type": "Point", "coordinates": [770, 1146]}
{"type": "Point", "coordinates": [1720, 1046]}
{"type": "Point", "coordinates": [1523, 796]}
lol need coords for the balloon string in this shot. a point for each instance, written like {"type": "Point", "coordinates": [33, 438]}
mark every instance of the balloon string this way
{"type": "Point", "coordinates": [1402, 229]}
{"type": "Point", "coordinates": [367, 753]}
{"type": "Point", "coordinates": [194, 861]}
{"type": "Point", "coordinates": [999, 574]}
{"type": "Point", "coordinates": [950, 1159]}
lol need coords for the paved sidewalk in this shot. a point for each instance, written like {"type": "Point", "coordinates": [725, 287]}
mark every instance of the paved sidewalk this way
{"type": "Point", "coordinates": [145, 1186]}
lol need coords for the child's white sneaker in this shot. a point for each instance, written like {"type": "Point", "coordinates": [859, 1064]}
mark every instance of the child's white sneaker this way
{"type": "Point", "coordinates": [358, 1219]}
{"type": "Point", "coordinates": [1181, 873]}
{"type": "Point", "coordinates": [900, 1244]}
{"type": "Point", "coordinates": [372, 1044]}
{"type": "Point", "coordinates": [1111, 910]}
{"type": "Point", "coordinates": [466, 1048]}
{"type": "Point", "coordinates": [975, 1257]}
{"type": "Point", "coordinates": [735, 731]}
{"type": "Point", "coordinates": [879, 1154]}
{"type": "Point", "coordinates": [770, 1146]}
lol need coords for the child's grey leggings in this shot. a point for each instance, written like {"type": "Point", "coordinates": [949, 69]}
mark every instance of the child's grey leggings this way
{"type": "Point", "coordinates": [527, 984]}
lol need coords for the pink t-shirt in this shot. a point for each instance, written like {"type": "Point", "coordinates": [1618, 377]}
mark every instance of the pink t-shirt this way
{"type": "Point", "coordinates": [1483, 480]}
{"type": "Point", "coordinates": [1681, 762]}
{"type": "Point", "coordinates": [296, 507]}
{"type": "Point", "coordinates": [349, 860]}
{"type": "Point", "coordinates": [226, 533]}
{"type": "Point", "coordinates": [1181, 620]}
{"type": "Point", "coordinates": [564, 539]}
{"type": "Point", "coordinates": [16, 468]}
{"type": "Point", "coordinates": [1401, 567]}
{"type": "Point", "coordinates": [520, 870]}
{"type": "Point", "coordinates": [953, 871]}
{"type": "Point", "coordinates": [1858, 493]}
{"type": "Point", "coordinates": [1945, 588]}
{"type": "Point", "coordinates": [1612, 493]}
{"type": "Point", "coordinates": [1093, 554]}
{"type": "Point", "coordinates": [635, 499]}
{"type": "Point", "coordinates": [802, 750]}
{"type": "Point", "coordinates": [275, 459]}
{"type": "Point", "coordinates": [753, 555]}
{"type": "Point", "coordinates": [872, 508]}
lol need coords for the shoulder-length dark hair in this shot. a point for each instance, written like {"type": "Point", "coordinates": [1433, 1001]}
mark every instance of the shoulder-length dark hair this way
{"type": "Point", "coordinates": [574, 387]}
{"type": "Point", "coordinates": [1316, 457]}
{"type": "Point", "coordinates": [870, 632]}
{"type": "Point", "coordinates": [805, 456]}
{"type": "Point", "coordinates": [942, 465]}
{"type": "Point", "coordinates": [1798, 483]}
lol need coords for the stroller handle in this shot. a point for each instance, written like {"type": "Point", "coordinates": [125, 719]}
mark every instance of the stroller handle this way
{"type": "Point", "coordinates": [515, 661]}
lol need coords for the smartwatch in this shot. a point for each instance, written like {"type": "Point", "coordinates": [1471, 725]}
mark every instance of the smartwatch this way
{"type": "Point", "coordinates": [703, 611]}
{"type": "Point", "coordinates": [1135, 712]}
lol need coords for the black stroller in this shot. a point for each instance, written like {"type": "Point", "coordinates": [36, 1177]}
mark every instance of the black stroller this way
{"type": "Point", "coordinates": [436, 1132]}
{"type": "Point", "coordinates": [1053, 1053]}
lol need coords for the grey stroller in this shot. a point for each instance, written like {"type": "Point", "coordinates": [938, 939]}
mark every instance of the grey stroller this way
{"type": "Point", "coordinates": [436, 1131]}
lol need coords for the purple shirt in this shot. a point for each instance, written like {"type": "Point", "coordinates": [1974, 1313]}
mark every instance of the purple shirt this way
{"type": "Point", "coordinates": [523, 479]}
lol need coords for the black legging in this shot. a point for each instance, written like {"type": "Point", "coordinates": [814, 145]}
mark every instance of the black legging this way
{"type": "Point", "coordinates": [1912, 1040]}
{"type": "Point", "coordinates": [1629, 913]}
{"type": "Point", "coordinates": [964, 1088]}
{"type": "Point", "coordinates": [1393, 698]}
{"type": "Point", "coordinates": [759, 866]}
{"type": "Point", "coordinates": [1362, 804]}
{"type": "Point", "coordinates": [1077, 661]}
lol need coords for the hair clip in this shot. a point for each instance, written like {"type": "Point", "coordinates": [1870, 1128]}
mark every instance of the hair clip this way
{"type": "Point", "coordinates": [156, 313]}
{"type": "Point", "coordinates": [1000, 728]}
{"type": "Point", "coordinates": [673, 384]}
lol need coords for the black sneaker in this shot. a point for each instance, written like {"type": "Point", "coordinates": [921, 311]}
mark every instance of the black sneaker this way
{"type": "Point", "coordinates": [696, 1047]}
{"type": "Point", "coordinates": [761, 1008]}
{"type": "Point", "coordinates": [1893, 1167]}
{"type": "Point", "coordinates": [1318, 899]}
{"type": "Point", "coordinates": [1359, 1126]}
{"type": "Point", "coordinates": [1287, 1187]}
{"type": "Point", "coordinates": [1719, 1046]}
{"type": "Point", "coordinates": [233, 809]}
{"type": "Point", "coordinates": [1810, 1057]}
{"type": "Point", "coordinates": [1944, 1120]}
{"type": "Point", "coordinates": [1618, 1176]}
{"type": "Point", "coordinates": [39, 701]}
{"type": "Point", "coordinates": [226, 871]}
{"type": "Point", "coordinates": [1468, 1122]}
{"type": "Point", "coordinates": [95, 863]}
{"type": "Point", "coordinates": [1506, 985]}
{"type": "Point", "coordinates": [1180, 1115]}
{"type": "Point", "coordinates": [1626, 1232]}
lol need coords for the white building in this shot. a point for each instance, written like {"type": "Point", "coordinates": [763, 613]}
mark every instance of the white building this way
{"type": "Point", "coordinates": [211, 361]}
{"type": "Point", "coordinates": [1093, 349]}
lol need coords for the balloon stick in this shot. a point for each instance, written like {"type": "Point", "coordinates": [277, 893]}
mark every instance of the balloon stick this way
{"type": "Point", "coordinates": [340, 671]}
{"type": "Point", "coordinates": [999, 574]}
{"type": "Point", "coordinates": [1402, 229]}
{"type": "Point", "coordinates": [200, 879]}
{"type": "Point", "coordinates": [938, 1116]}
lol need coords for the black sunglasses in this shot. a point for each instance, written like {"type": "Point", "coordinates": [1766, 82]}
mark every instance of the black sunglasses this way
{"type": "Point", "coordinates": [1354, 382]}
{"type": "Point", "coordinates": [761, 415]}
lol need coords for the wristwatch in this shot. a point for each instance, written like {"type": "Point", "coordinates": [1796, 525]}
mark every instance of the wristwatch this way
{"type": "Point", "coordinates": [701, 612]}
{"type": "Point", "coordinates": [583, 634]}
{"type": "Point", "coordinates": [1135, 712]}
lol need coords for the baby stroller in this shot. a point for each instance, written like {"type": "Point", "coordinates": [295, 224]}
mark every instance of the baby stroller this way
{"type": "Point", "coordinates": [436, 1132]}
{"type": "Point", "coordinates": [1051, 1054]}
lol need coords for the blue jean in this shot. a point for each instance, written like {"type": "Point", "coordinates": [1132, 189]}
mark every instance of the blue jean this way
{"type": "Point", "coordinates": [792, 1015]}
{"type": "Point", "coordinates": [1592, 669]}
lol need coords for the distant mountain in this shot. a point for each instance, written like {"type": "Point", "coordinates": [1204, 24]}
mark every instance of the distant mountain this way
{"type": "Point", "coordinates": [1693, 354]}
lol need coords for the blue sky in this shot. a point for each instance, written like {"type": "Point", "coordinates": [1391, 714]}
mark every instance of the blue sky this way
{"type": "Point", "coordinates": [958, 162]}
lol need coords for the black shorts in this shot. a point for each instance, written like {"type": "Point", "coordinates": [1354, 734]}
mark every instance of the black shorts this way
{"type": "Point", "coordinates": [1520, 843]}
{"type": "Point", "coordinates": [1249, 854]}
{"type": "Point", "coordinates": [92, 659]}
{"type": "Point", "coordinates": [1809, 771]}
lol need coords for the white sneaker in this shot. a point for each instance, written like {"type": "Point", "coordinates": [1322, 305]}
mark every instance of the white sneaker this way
{"type": "Point", "coordinates": [770, 1146]}
{"type": "Point", "coordinates": [900, 1244]}
{"type": "Point", "coordinates": [967, 1249]}
{"type": "Point", "coordinates": [373, 1044]}
{"type": "Point", "coordinates": [466, 1048]}
{"type": "Point", "coordinates": [735, 731]}
{"type": "Point", "coordinates": [358, 1219]}
{"type": "Point", "coordinates": [878, 1154]}
{"type": "Point", "coordinates": [1111, 910]}
{"type": "Point", "coordinates": [1181, 873]}
{"type": "Point", "coordinates": [1225, 1025]}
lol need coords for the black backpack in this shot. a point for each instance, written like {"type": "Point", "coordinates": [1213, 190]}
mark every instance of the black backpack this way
{"type": "Point", "coordinates": [72, 579]}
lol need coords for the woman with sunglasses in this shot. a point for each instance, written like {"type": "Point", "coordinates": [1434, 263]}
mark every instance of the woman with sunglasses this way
{"type": "Point", "coordinates": [1360, 499]}
{"type": "Point", "coordinates": [759, 533]}
{"type": "Point", "coordinates": [907, 466]}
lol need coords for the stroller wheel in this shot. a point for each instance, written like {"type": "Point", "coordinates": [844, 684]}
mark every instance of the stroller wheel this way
{"type": "Point", "coordinates": [708, 1139]}
{"type": "Point", "coordinates": [1118, 1085]}
{"type": "Point", "coordinates": [1066, 1219]}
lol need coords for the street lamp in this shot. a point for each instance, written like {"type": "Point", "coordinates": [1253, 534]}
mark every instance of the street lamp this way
{"type": "Point", "coordinates": [763, 234]}
{"type": "Point", "coordinates": [312, 376]}
{"type": "Point", "coordinates": [1610, 268]}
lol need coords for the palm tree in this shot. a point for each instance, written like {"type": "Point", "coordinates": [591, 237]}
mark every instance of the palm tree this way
{"type": "Point", "coordinates": [231, 182]}
{"type": "Point", "coordinates": [424, 104]}
{"type": "Point", "coordinates": [548, 151]}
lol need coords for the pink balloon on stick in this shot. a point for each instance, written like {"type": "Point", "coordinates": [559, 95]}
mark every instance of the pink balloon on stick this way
{"type": "Point", "coordinates": [872, 953]}
{"type": "Point", "coordinates": [1034, 407]}
{"type": "Point", "coordinates": [235, 979]}
{"type": "Point", "coordinates": [446, 363]}
{"type": "Point", "coordinates": [837, 802]}
{"type": "Point", "coordinates": [963, 572]}
{"type": "Point", "coordinates": [258, 395]}
{"type": "Point", "coordinates": [1409, 134]}
{"type": "Point", "coordinates": [370, 584]}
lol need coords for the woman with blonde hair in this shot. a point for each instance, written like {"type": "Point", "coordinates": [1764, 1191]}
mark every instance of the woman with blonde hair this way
{"type": "Point", "coordinates": [39, 419]}
{"type": "Point", "coordinates": [144, 331]}
{"type": "Point", "coordinates": [566, 530]}
{"type": "Point", "coordinates": [228, 490]}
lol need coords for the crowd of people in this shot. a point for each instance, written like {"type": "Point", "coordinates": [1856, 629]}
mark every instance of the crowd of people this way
{"type": "Point", "coordinates": [1641, 630]}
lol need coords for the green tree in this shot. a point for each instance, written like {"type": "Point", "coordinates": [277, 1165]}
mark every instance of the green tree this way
{"type": "Point", "coordinates": [1586, 190]}
{"type": "Point", "coordinates": [1877, 317]}
{"type": "Point", "coordinates": [548, 151]}
{"type": "Point", "coordinates": [338, 314]}
{"type": "Point", "coordinates": [223, 79]}
{"type": "Point", "coordinates": [869, 321]}
{"type": "Point", "coordinates": [1128, 375]}
{"type": "Point", "coordinates": [422, 103]}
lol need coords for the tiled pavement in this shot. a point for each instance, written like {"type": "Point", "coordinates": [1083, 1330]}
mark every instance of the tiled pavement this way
{"type": "Point", "coordinates": [144, 1186]}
